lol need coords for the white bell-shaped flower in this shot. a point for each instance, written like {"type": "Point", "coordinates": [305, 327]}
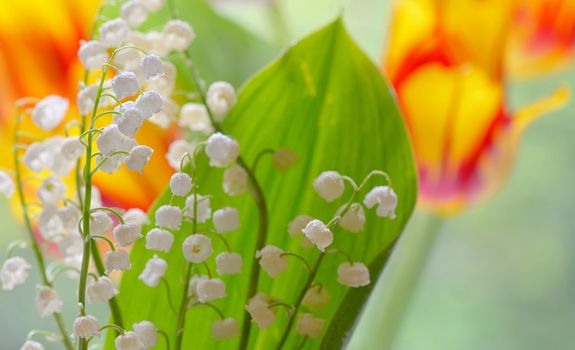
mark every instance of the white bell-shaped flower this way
{"type": "Point", "coordinates": [130, 122]}
{"type": "Point", "coordinates": [129, 341]}
{"type": "Point", "coordinates": [229, 263]}
{"type": "Point", "coordinates": [385, 198]}
{"type": "Point", "coordinates": [226, 219]}
{"type": "Point", "coordinates": [259, 311]}
{"type": "Point", "coordinates": [226, 328]}
{"type": "Point", "coordinates": [138, 158]}
{"type": "Point", "coordinates": [203, 212]}
{"type": "Point", "coordinates": [154, 271]}
{"type": "Point", "coordinates": [222, 150]}
{"type": "Point", "coordinates": [160, 240]}
{"type": "Point", "coordinates": [136, 216]}
{"type": "Point", "coordinates": [92, 54]}
{"type": "Point", "coordinates": [319, 234]}
{"type": "Point", "coordinates": [125, 84]}
{"type": "Point", "coordinates": [7, 186]}
{"type": "Point", "coordinates": [296, 226]}
{"type": "Point", "coordinates": [100, 223]}
{"type": "Point", "coordinates": [329, 185]}
{"type": "Point", "coordinates": [128, 58]}
{"type": "Point", "coordinates": [49, 112]}
{"type": "Point", "coordinates": [151, 66]}
{"type": "Point", "coordinates": [169, 216]}
{"type": "Point", "coordinates": [153, 5]}
{"type": "Point", "coordinates": [197, 248]}
{"type": "Point", "coordinates": [147, 332]}
{"type": "Point", "coordinates": [221, 98]}
{"type": "Point", "coordinates": [15, 271]}
{"type": "Point", "coordinates": [48, 222]}
{"type": "Point", "coordinates": [32, 345]}
{"type": "Point", "coordinates": [73, 149]}
{"type": "Point", "coordinates": [47, 301]}
{"type": "Point", "coordinates": [235, 180]}
{"type": "Point", "coordinates": [52, 191]}
{"type": "Point", "coordinates": [353, 274]}
{"type": "Point", "coordinates": [194, 116]}
{"type": "Point", "coordinates": [166, 83]}
{"type": "Point", "coordinates": [149, 102]}
{"type": "Point", "coordinates": [354, 219]}
{"type": "Point", "coordinates": [309, 326]}
{"type": "Point", "coordinates": [34, 158]}
{"type": "Point", "coordinates": [86, 98]}
{"type": "Point", "coordinates": [126, 234]}
{"type": "Point", "coordinates": [193, 286]}
{"type": "Point", "coordinates": [70, 244]}
{"type": "Point", "coordinates": [117, 260]}
{"type": "Point", "coordinates": [180, 184]}
{"type": "Point", "coordinates": [210, 289]}
{"type": "Point", "coordinates": [316, 297]}
{"type": "Point", "coordinates": [176, 151]}
{"type": "Point", "coordinates": [114, 33]}
{"type": "Point", "coordinates": [86, 327]}
{"type": "Point", "coordinates": [177, 35]}
{"type": "Point", "coordinates": [110, 164]}
{"type": "Point", "coordinates": [134, 13]}
{"type": "Point", "coordinates": [113, 140]}
{"type": "Point", "coordinates": [271, 260]}
{"type": "Point", "coordinates": [101, 290]}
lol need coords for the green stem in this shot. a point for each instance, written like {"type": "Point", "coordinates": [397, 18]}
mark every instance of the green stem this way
{"type": "Point", "coordinates": [404, 274]}
{"type": "Point", "coordinates": [34, 244]}
{"type": "Point", "coordinates": [83, 344]}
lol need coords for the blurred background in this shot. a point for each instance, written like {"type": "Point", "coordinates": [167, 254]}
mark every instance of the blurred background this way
{"type": "Point", "coordinates": [500, 273]}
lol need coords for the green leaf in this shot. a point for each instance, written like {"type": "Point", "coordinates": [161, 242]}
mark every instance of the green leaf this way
{"type": "Point", "coordinates": [326, 101]}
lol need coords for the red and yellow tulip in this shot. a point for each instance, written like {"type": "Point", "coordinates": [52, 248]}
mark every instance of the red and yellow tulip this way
{"type": "Point", "coordinates": [38, 45]}
{"type": "Point", "coordinates": [446, 60]}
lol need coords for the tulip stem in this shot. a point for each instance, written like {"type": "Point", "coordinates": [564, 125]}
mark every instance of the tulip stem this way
{"type": "Point", "coordinates": [28, 224]}
{"type": "Point", "coordinates": [404, 276]}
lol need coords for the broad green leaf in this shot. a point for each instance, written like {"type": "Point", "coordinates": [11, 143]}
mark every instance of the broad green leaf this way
{"type": "Point", "coordinates": [326, 101]}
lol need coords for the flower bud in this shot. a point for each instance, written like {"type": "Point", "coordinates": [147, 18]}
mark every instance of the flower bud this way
{"type": "Point", "coordinates": [284, 159]}
{"type": "Point", "coordinates": [151, 66]}
{"type": "Point", "coordinates": [197, 248]}
{"type": "Point", "coordinates": [92, 54]}
{"type": "Point", "coordinates": [203, 212]}
{"type": "Point", "coordinates": [32, 345]}
{"type": "Point", "coordinates": [139, 156]}
{"type": "Point", "coordinates": [222, 150]}
{"type": "Point", "coordinates": [114, 33]}
{"type": "Point", "coordinates": [221, 98]}
{"type": "Point", "coordinates": [129, 341]}
{"type": "Point", "coordinates": [319, 234]}
{"type": "Point", "coordinates": [226, 219]}
{"type": "Point", "coordinates": [169, 216]}
{"type": "Point", "coordinates": [147, 332]}
{"type": "Point", "coordinates": [353, 274]}
{"type": "Point", "coordinates": [180, 184]}
{"type": "Point", "coordinates": [177, 35]}
{"type": "Point", "coordinates": [154, 271]}
{"type": "Point", "coordinates": [235, 180]}
{"type": "Point", "coordinates": [126, 234]}
{"type": "Point", "coordinates": [101, 290]}
{"type": "Point", "coordinates": [354, 219]}
{"type": "Point", "coordinates": [47, 301]}
{"type": "Point", "coordinates": [125, 84]}
{"type": "Point", "coordinates": [7, 186]}
{"type": "Point", "coordinates": [316, 297]}
{"type": "Point", "coordinates": [134, 13]}
{"type": "Point", "coordinates": [210, 289]}
{"type": "Point", "coordinates": [14, 271]}
{"type": "Point", "coordinates": [117, 260]}
{"type": "Point", "coordinates": [309, 326]}
{"type": "Point", "coordinates": [225, 329]}
{"type": "Point", "coordinates": [86, 327]}
{"type": "Point", "coordinates": [229, 263]}
{"type": "Point", "coordinates": [271, 260]}
{"type": "Point", "coordinates": [49, 112]}
{"type": "Point", "coordinates": [160, 240]}
{"type": "Point", "coordinates": [329, 185]}
{"type": "Point", "coordinates": [386, 201]}
{"type": "Point", "coordinates": [258, 309]}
